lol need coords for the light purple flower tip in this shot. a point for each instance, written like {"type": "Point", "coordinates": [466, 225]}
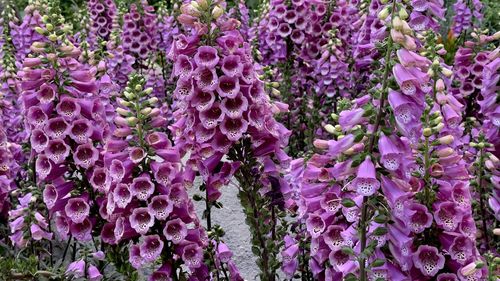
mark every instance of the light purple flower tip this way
{"type": "Point", "coordinates": [234, 107]}
{"type": "Point", "coordinates": [81, 130]}
{"type": "Point", "coordinates": [68, 108]}
{"type": "Point", "coordinates": [82, 231]}
{"type": "Point", "coordinates": [417, 217]}
{"type": "Point", "coordinates": [228, 86]}
{"type": "Point", "coordinates": [85, 155]}
{"type": "Point", "coordinates": [160, 206]}
{"type": "Point", "coordinates": [233, 128]}
{"type": "Point", "coordinates": [203, 100]}
{"type": "Point", "coordinates": [428, 260]}
{"type": "Point", "coordinates": [36, 116]}
{"type": "Point", "coordinates": [94, 274]}
{"type": "Point", "coordinates": [206, 56]}
{"type": "Point", "coordinates": [192, 255]}
{"type": "Point", "coordinates": [231, 66]}
{"type": "Point", "coordinates": [141, 220]}
{"type": "Point", "coordinates": [57, 150]}
{"type": "Point", "coordinates": [366, 182]}
{"type": "Point", "coordinates": [151, 247]}
{"type": "Point", "coordinates": [142, 187]}
{"type": "Point", "coordinates": [77, 209]}
{"type": "Point", "coordinates": [175, 230]}
{"type": "Point", "coordinates": [39, 140]}
{"type": "Point", "coordinates": [135, 256]}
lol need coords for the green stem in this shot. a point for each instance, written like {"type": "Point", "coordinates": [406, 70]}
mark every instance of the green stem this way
{"type": "Point", "coordinates": [482, 206]}
{"type": "Point", "coordinates": [364, 207]}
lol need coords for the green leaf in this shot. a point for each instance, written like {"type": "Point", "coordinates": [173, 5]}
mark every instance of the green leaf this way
{"type": "Point", "coordinates": [348, 251]}
{"type": "Point", "coordinates": [256, 250]}
{"type": "Point", "coordinates": [348, 203]}
{"type": "Point", "coordinates": [380, 219]}
{"type": "Point", "coordinates": [380, 231]}
{"type": "Point", "coordinates": [378, 262]}
{"type": "Point", "coordinates": [197, 197]}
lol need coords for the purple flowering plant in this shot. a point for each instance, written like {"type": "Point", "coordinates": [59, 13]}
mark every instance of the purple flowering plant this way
{"type": "Point", "coordinates": [361, 138]}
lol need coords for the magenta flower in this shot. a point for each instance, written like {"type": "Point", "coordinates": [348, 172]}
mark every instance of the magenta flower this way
{"type": "Point", "coordinates": [77, 210]}
{"type": "Point", "coordinates": [85, 155]}
{"type": "Point", "coordinates": [428, 260]}
{"type": "Point", "coordinates": [160, 206]}
{"type": "Point", "coordinates": [141, 220]}
{"type": "Point", "coordinates": [206, 56]}
{"type": "Point", "coordinates": [151, 247]}
{"type": "Point", "coordinates": [366, 182]}
{"type": "Point", "coordinates": [142, 187]}
{"type": "Point", "coordinates": [175, 230]}
{"type": "Point", "coordinates": [417, 217]}
{"type": "Point", "coordinates": [192, 256]}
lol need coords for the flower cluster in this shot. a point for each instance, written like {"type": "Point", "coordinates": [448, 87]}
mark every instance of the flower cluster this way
{"type": "Point", "coordinates": [102, 15]}
{"type": "Point", "coordinates": [465, 15]}
{"type": "Point", "coordinates": [9, 169]}
{"type": "Point", "coordinates": [146, 192]}
{"type": "Point", "coordinates": [125, 124]}
{"type": "Point", "coordinates": [67, 129]}
{"type": "Point", "coordinates": [139, 30]}
{"type": "Point", "coordinates": [223, 109]}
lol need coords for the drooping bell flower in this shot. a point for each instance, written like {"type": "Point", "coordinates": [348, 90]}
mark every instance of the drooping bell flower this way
{"type": "Point", "coordinates": [428, 260]}
{"type": "Point", "coordinates": [366, 182]}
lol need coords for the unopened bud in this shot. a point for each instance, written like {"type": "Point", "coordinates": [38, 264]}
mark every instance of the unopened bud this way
{"type": "Point", "coordinates": [49, 27]}
{"type": "Point", "coordinates": [493, 158]}
{"type": "Point", "coordinates": [40, 30]}
{"type": "Point", "coordinates": [129, 95]}
{"type": "Point", "coordinates": [438, 127]}
{"type": "Point", "coordinates": [480, 145]}
{"type": "Point", "coordinates": [320, 144]}
{"type": "Point", "coordinates": [217, 12]}
{"type": "Point", "coordinates": [52, 37]}
{"type": "Point", "coordinates": [473, 144]}
{"type": "Point", "coordinates": [406, 28]}
{"type": "Point", "coordinates": [446, 72]}
{"type": "Point", "coordinates": [146, 111]}
{"type": "Point", "coordinates": [275, 92]}
{"type": "Point", "coordinates": [334, 117]}
{"type": "Point", "coordinates": [123, 102]}
{"type": "Point", "coordinates": [148, 91]}
{"type": "Point", "coordinates": [153, 100]}
{"type": "Point", "coordinates": [329, 128]}
{"type": "Point", "coordinates": [446, 140]}
{"type": "Point", "coordinates": [203, 4]}
{"type": "Point", "coordinates": [132, 121]}
{"type": "Point", "coordinates": [154, 112]}
{"type": "Point", "coordinates": [427, 132]}
{"type": "Point", "coordinates": [275, 84]}
{"type": "Point", "coordinates": [440, 85]}
{"type": "Point", "coordinates": [195, 5]}
{"type": "Point", "coordinates": [397, 23]}
{"type": "Point", "coordinates": [496, 36]}
{"type": "Point", "coordinates": [469, 269]}
{"type": "Point", "coordinates": [496, 231]}
{"type": "Point", "coordinates": [123, 111]}
{"type": "Point", "coordinates": [489, 165]}
{"type": "Point", "coordinates": [403, 14]}
{"type": "Point", "coordinates": [138, 88]}
{"type": "Point", "coordinates": [384, 13]}
{"type": "Point", "coordinates": [445, 152]}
